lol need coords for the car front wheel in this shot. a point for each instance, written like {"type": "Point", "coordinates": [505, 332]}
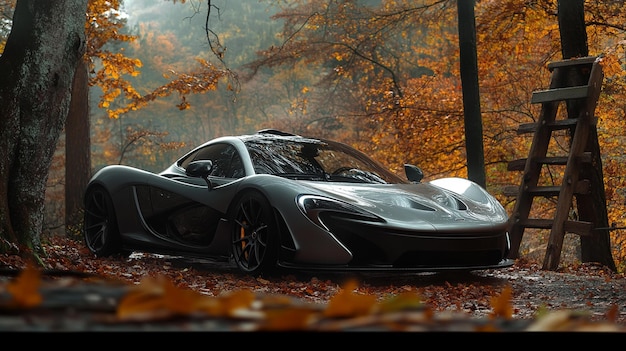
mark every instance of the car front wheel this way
{"type": "Point", "coordinates": [100, 230]}
{"type": "Point", "coordinates": [254, 234]}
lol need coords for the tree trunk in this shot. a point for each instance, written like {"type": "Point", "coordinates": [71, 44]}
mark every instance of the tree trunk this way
{"type": "Point", "coordinates": [46, 43]}
{"type": "Point", "coordinates": [471, 93]}
{"type": "Point", "coordinates": [77, 151]}
{"type": "Point", "coordinates": [591, 207]}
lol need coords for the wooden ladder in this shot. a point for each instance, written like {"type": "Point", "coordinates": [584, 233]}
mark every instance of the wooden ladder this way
{"type": "Point", "coordinates": [577, 82]}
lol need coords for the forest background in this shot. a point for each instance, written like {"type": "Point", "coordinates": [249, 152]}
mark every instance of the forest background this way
{"type": "Point", "coordinates": [382, 76]}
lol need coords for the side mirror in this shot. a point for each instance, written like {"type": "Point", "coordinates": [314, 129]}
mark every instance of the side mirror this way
{"type": "Point", "coordinates": [413, 173]}
{"type": "Point", "coordinates": [201, 168]}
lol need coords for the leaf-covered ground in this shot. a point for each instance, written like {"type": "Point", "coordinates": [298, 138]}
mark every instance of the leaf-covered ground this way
{"type": "Point", "coordinates": [578, 297]}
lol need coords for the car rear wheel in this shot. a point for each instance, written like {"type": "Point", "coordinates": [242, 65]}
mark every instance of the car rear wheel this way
{"type": "Point", "coordinates": [254, 234]}
{"type": "Point", "coordinates": [100, 230]}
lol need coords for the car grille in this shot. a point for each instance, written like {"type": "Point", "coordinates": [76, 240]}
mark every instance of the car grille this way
{"type": "Point", "coordinates": [371, 244]}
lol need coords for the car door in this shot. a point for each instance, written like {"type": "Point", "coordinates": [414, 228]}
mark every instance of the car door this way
{"type": "Point", "coordinates": [177, 218]}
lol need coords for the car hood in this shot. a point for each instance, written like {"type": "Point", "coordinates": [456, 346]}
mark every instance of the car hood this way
{"type": "Point", "coordinates": [421, 204]}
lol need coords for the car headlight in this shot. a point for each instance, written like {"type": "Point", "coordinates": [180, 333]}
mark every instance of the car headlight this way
{"type": "Point", "coordinates": [313, 206]}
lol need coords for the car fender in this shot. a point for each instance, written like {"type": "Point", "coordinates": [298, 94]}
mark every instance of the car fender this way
{"type": "Point", "coordinates": [312, 243]}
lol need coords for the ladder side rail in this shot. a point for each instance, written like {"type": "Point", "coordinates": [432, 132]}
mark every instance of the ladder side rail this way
{"type": "Point", "coordinates": [530, 175]}
{"type": "Point", "coordinates": [572, 170]}
{"type": "Point", "coordinates": [532, 169]}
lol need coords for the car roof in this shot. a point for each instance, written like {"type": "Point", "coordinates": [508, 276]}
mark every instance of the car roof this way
{"type": "Point", "coordinates": [261, 135]}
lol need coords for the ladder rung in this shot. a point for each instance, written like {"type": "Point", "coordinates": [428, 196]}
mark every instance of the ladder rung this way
{"type": "Point", "coordinates": [560, 94]}
{"type": "Point", "coordinates": [527, 128]}
{"type": "Point", "coordinates": [556, 125]}
{"type": "Point", "coordinates": [572, 62]}
{"type": "Point", "coordinates": [576, 227]}
{"type": "Point", "coordinates": [545, 191]}
{"type": "Point", "coordinates": [510, 190]}
{"type": "Point", "coordinates": [535, 223]}
{"type": "Point", "coordinates": [516, 165]}
{"type": "Point", "coordinates": [520, 164]}
{"type": "Point", "coordinates": [582, 187]}
{"type": "Point", "coordinates": [555, 160]}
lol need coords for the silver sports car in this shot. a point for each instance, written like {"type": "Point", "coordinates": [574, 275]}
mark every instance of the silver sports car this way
{"type": "Point", "coordinates": [275, 200]}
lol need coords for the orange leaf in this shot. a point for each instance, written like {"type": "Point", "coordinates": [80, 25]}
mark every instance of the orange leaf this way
{"type": "Point", "coordinates": [143, 302]}
{"type": "Point", "coordinates": [612, 313]}
{"type": "Point", "coordinates": [180, 301]}
{"type": "Point", "coordinates": [348, 304]}
{"type": "Point", "coordinates": [25, 288]}
{"type": "Point", "coordinates": [502, 304]}
{"type": "Point", "coordinates": [157, 298]}
{"type": "Point", "coordinates": [226, 305]}
{"type": "Point", "coordinates": [293, 318]}
{"type": "Point", "coordinates": [401, 302]}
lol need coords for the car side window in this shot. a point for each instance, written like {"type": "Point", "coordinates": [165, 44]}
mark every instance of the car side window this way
{"type": "Point", "coordinates": [226, 160]}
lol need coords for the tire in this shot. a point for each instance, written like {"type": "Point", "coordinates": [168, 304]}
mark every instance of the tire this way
{"type": "Point", "coordinates": [100, 230]}
{"type": "Point", "coordinates": [254, 234]}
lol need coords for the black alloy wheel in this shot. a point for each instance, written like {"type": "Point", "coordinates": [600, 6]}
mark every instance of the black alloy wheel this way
{"type": "Point", "coordinates": [254, 234]}
{"type": "Point", "coordinates": [100, 229]}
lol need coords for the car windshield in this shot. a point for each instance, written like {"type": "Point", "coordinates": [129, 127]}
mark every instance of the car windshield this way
{"type": "Point", "coordinates": [313, 159]}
